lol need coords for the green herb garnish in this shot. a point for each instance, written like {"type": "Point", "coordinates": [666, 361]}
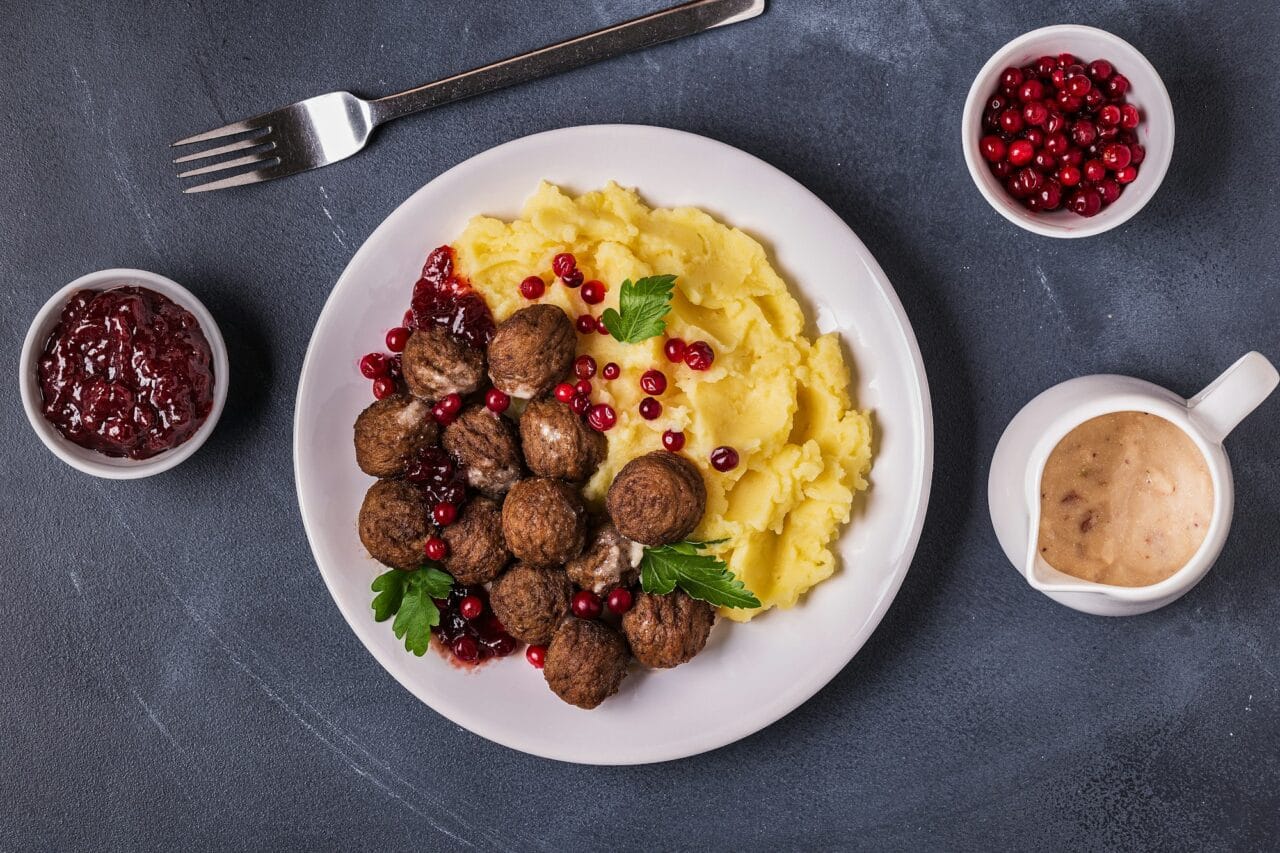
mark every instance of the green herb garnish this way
{"type": "Point", "coordinates": [641, 308]}
{"type": "Point", "coordinates": [702, 576]}
{"type": "Point", "coordinates": [409, 596]}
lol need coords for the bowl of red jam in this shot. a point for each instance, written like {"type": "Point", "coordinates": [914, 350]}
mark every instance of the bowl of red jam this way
{"type": "Point", "coordinates": [123, 374]}
{"type": "Point", "coordinates": [1068, 131]}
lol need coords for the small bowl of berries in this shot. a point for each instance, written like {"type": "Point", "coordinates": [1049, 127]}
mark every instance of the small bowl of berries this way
{"type": "Point", "coordinates": [1068, 131]}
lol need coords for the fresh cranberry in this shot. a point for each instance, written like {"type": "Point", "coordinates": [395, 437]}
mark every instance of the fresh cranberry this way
{"type": "Point", "coordinates": [471, 607]}
{"type": "Point", "coordinates": [383, 387]}
{"type": "Point", "coordinates": [724, 459]}
{"type": "Point", "coordinates": [536, 656]}
{"type": "Point", "coordinates": [1094, 99]}
{"type": "Point", "coordinates": [580, 404]}
{"type": "Point", "coordinates": [1068, 176]}
{"type": "Point", "coordinates": [1032, 90]}
{"type": "Point", "coordinates": [1109, 116]}
{"type": "Point", "coordinates": [1100, 70]}
{"type": "Point", "coordinates": [446, 409]}
{"type": "Point", "coordinates": [584, 366]}
{"type": "Point", "coordinates": [1027, 181]}
{"type": "Point", "coordinates": [674, 348]}
{"type": "Point", "coordinates": [1116, 156]}
{"type": "Point", "coordinates": [593, 292]}
{"type": "Point", "coordinates": [496, 401]}
{"type": "Point", "coordinates": [1011, 77]}
{"type": "Point", "coordinates": [501, 646]}
{"type": "Point", "coordinates": [1021, 152]}
{"type": "Point", "coordinates": [1068, 102]}
{"type": "Point", "coordinates": [1083, 132]}
{"type": "Point", "coordinates": [1049, 196]}
{"type": "Point", "coordinates": [673, 440]}
{"type": "Point", "coordinates": [1128, 116]}
{"type": "Point", "coordinates": [1011, 120]}
{"type": "Point", "coordinates": [1001, 169]}
{"type": "Point", "coordinates": [583, 387]}
{"type": "Point", "coordinates": [1127, 175]}
{"type": "Point", "coordinates": [373, 365]}
{"type": "Point", "coordinates": [1054, 123]}
{"type": "Point", "coordinates": [1045, 65]}
{"type": "Point", "coordinates": [1015, 188]}
{"type": "Point", "coordinates": [1137, 154]}
{"type": "Point", "coordinates": [1109, 190]}
{"type": "Point", "coordinates": [1079, 85]}
{"type": "Point", "coordinates": [619, 600]}
{"type": "Point", "coordinates": [1094, 170]}
{"type": "Point", "coordinates": [436, 548]}
{"type": "Point", "coordinates": [1035, 113]}
{"type": "Point", "coordinates": [1117, 86]}
{"type": "Point", "coordinates": [1044, 161]}
{"type": "Point", "coordinates": [532, 287]}
{"type": "Point", "coordinates": [650, 408]}
{"type": "Point", "coordinates": [653, 382]}
{"type": "Point", "coordinates": [444, 514]}
{"type": "Point", "coordinates": [408, 320]}
{"type": "Point", "coordinates": [563, 264]}
{"type": "Point", "coordinates": [992, 148]}
{"type": "Point", "coordinates": [466, 649]}
{"type": "Point", "coordinates": [1034, 135]}
{"type": "Point", "coordinates": [397, 338]}
{"type": "Point", "coordinates": [610, 371]}
{"type": "Point", "coordinates": [601, 328]}
{"type": "Point", "coordinates": [564, 392]}
{"type": "Point", "coordinates": [585, 324]}
{"type": "Point", "coordinates": [1065, 60]}
{"type": "Point", "coordinates": [601, 417]}
{"type": "Point", "coordinates": [585, 604]}
{"type": "Point", "coordinates": [1058, 76]}
{"type": "Point", "coordinates": [1109, 133]}
{"type": "Point", "coordinates": [699, 356]}
{"type": "Point", "coordinates": [573, 278]}
{"type": "Point", "coordinates": [1085, 202]}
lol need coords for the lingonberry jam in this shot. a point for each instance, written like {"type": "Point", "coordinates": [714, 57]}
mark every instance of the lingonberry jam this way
{"type": "Point", "coordinates": [468, 630]}
{"type": "Point", "coordinates": [446, 298]}
{"type": "Point", "coordinates": [1060, 135]}
{"type": "Point", "coordinates": [126, 372]}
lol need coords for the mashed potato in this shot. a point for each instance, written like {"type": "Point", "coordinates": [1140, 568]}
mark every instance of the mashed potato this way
{"type": "Point", "coordinates": [778, 398]}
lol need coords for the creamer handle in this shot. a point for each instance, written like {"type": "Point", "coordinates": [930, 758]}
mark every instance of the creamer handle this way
{"type": "Point", "coordinates": [1233, 395]}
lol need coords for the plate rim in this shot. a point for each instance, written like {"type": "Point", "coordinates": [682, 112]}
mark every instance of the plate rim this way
{"type": "Point", "coordinates": [730, 733]}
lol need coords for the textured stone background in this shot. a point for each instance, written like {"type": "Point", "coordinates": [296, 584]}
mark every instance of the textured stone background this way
{"type": "Point", "coordinates": [174, 674]}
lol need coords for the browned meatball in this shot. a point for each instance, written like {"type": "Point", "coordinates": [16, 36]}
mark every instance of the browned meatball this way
{"type": "Point", "coordinates": [393, 524]}
{"type": "Point", "coordinates": [557, 443]}
{"type": "Point", "coordinates": [530, 601]}
{"type": "Point", "coordinates": [436, 364]}
{"type": "Point", "coordinates": [585, 662]}
{"type": "Point", "coordinates": [544, 521]}
{"type": "Point", "coordinates": [531, 351]}
{"type": "Point", "coordinates": [657, 498]}
{"type": "Point", "coordinates": [486, 445]}
{"type": "Point", "coordinates": [667, 630]}
{"type": "Point", "coordinates": [477, 552]}
{"type": "Point", "coordinates": [390, 432]}
{"type": "Point", "coordinates": [610, 560]}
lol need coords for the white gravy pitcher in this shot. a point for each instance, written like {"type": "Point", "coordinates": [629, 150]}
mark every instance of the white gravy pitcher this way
{"type": "Point", "coordinates": [1013, 488]}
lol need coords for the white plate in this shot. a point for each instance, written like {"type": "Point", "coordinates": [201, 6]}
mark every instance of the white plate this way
{"type": "Point", "coordinates": [749, 675]}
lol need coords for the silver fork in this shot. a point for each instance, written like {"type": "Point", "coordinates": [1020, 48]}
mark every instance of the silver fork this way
{"type": "Point", "coordinates": [332, 127]}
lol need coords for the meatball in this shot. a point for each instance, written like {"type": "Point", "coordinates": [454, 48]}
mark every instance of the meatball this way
{"type": "Point", "coordinates": [585, 662]}
{"type": "Point", "coordinates": [531, 350]}
{"type": "Point", "coordinates": [667, 630]}
{"type": "Point", "coordinates": [486, 445]}
{"type": "Point", "coordinates": [390, 432]}
{"type": "Point", "coordinates": [436, 364]}
{"type": "Point", "coordinates": [544, 521]}
{"type": "Point", "coordinates": [657, 498]}
{"type": "Point", "coordinates": [477, 552]}
{"type": "Point", "coordinates": [393, 524]}
{"type": "Point", "coordinates": [610, 560]}
{"type": "Point", "coordinates": [557, 443]}
{"type": "Point", "coordinates": [530, 602]}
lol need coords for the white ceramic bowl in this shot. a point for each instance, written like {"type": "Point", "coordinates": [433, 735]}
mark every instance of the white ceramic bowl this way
{"type": "Point", "coordinates": [89, 461]}
{"type": "Point", "coordinates": [1146, 92]}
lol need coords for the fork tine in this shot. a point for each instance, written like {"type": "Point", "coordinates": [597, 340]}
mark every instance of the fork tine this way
{"type": "Point", "coordinates": [251, 160]}
{"type": "Point", "coordinates": [255, 123]}
{"type": "Point", "coordinates": [253, 142]}
{"type": "Point", "coordinates": [252, 177]}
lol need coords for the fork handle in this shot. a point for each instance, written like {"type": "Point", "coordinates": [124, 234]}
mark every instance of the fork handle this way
{"type": "Point", "coordinates": [666, 25]}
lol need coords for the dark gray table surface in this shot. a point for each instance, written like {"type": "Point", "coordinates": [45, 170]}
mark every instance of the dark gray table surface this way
{"type": "Point", "coordinates": [174, 674]}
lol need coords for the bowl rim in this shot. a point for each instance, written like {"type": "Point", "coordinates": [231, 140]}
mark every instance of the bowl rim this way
{"type": "Point", "coordinates": [1107, 219]}
{"type": "Point", "coordinates": [90, 461]}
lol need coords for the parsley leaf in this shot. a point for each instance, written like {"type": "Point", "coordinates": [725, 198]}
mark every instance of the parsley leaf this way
{"type": "Point", "coordinates": [641, 308]}
{"type": "Point", "coordinates": [702, 576]}
{"type": "Point", "coordinates": [409, 596]}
